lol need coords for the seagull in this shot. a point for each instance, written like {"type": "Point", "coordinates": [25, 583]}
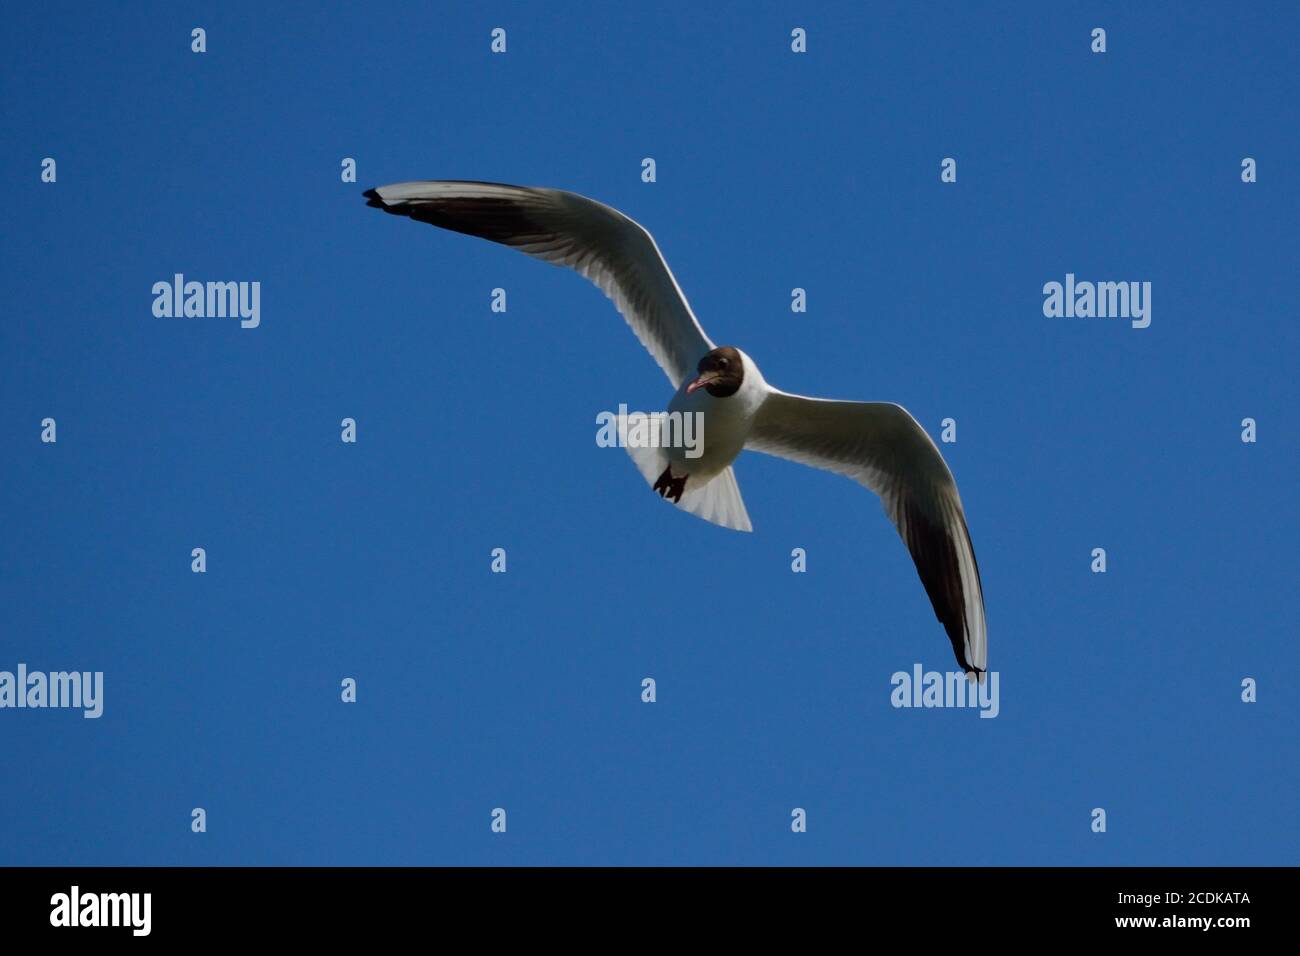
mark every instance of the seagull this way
{"type": "Point", "coordinates": [878, 444]}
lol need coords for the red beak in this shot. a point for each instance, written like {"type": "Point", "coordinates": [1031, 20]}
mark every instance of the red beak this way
{"type": "Point", "coordinates": [704, 379]}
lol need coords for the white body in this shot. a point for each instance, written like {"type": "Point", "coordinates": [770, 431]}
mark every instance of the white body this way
{"type": "Point", "coordinates": [727, 424]}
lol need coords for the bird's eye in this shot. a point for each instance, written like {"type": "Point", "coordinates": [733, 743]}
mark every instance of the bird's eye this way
{"type": "Point", "coordinates": [722, 363]}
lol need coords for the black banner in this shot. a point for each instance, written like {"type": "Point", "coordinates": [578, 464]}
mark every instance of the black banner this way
{"type": "Point", "coordinates": [337, 904]}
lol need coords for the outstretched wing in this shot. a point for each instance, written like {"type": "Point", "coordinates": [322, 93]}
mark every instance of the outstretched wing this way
{"type": "Point", "coordinates": [881, 446]}
{"type": "Point", "coordinates": [563, 228]}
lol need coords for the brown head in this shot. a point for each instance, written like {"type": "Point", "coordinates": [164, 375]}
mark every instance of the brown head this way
{"type": "Point", "coordinates": [721, 372]}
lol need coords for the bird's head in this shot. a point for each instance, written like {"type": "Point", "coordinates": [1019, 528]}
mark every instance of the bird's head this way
{"type": "Point", "coordinates": [721, 372]}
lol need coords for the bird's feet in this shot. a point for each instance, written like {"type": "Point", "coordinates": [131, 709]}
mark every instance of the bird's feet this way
{"type": "Point", "coordinates": [670, 487]}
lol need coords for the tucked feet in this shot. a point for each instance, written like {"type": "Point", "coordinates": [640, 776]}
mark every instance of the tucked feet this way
{"type": "Point", "coordinates": [670, 487]}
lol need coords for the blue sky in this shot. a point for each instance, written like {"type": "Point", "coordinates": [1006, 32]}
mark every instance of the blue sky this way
{"type": "Point", "coordinates": [476, 431]}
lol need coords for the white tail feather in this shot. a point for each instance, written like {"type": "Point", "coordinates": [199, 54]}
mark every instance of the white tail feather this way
{"type": "Point", "coordinates": [717, 501]}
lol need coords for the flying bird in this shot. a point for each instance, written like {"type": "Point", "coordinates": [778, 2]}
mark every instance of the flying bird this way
{"type": "Point", "coordinates": [877, 444]}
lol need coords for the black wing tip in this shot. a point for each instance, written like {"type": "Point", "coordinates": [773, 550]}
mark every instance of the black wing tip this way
{"type": "Point", "coordinates": [957, 636]}
{"type": "Point", "coordinates": [374, 201]}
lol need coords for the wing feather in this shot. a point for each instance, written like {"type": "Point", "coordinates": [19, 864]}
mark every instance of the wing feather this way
{"type": "Point", "coordinates": [881, 446]}
{"type": "Point", "coordinates": [565, 229]}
